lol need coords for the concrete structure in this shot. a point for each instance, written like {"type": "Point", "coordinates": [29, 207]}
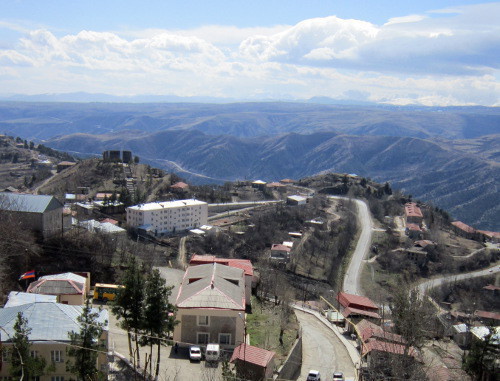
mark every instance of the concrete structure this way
{"type": "Point", "coordinates": [50, 325]}
{"type": "Point", "coordinates": [160, 218]}
{"type": "Point", "coordinates": [253, 363]}
{"type": "Point", "coordinates": [211, 306]}
{"type": "Point", "coordinates": [243, 264]}
{"type": "Point", "coordinates": [68, 287]}
{"type": "Point", "coordinates": [40, 213]}
{"type": "Point", "coordinates": [296, 200]}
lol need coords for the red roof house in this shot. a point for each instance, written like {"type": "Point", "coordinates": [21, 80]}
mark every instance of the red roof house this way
{"type": "Point", "coordinates": [180, 186]}
{"type": "Point", "coordinates": [464, 227]}
{"type": "Point", "coordinates": [357, 306]}
{"type": "Point", "coordinates": [413, 213]}
{"type": "Point", "coordinates": [253, 362]}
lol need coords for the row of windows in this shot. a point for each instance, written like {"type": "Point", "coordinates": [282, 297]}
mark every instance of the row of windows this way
{"type": "Point", "coordinates": [36, 378]}
{"type": "Point", "coordinates": [55, 356]}
{"type": "Point", "coordinates": [204, 338]}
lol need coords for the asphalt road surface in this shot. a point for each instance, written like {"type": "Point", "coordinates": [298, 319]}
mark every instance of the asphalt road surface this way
{"type": "Point", "coordinates": [427, 285]}
{"type": "Point", "coordinates": [351, 277]}
{"type": "Point", "coordinates": [322, 350]}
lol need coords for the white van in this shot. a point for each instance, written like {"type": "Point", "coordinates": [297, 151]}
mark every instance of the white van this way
{"type": "Point", "coordinates": [212, 353]}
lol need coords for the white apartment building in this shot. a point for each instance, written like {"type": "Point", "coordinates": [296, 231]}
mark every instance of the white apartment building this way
{"type": "Point", "coordinates": [159, 218]}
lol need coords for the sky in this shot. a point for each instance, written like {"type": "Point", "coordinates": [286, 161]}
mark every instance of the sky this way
{"type": "Point", "coordinates": [433, 53]}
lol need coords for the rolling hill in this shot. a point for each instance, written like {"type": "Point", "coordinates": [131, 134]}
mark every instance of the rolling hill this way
{"type": "Point", "coordinates": [444, 172]}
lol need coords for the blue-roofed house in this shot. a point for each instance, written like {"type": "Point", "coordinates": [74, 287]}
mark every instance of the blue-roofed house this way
{"type": "Point", "coordinates": [50, 325]}
{"type": "Point", "coordinates": [40, 213]}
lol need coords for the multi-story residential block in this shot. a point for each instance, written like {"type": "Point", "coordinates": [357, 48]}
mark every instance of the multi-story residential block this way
{"type": "Point", "coordinates": [160, 218]}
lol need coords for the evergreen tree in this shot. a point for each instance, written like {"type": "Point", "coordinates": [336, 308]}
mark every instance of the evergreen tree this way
{"type": "Point", "coordinates": [85, 345]}
{"type": "Point", "coordinates": [480, 361]}
{"type": "Point", "coordinates": [23, 363]}
{"type": "Point", "coordinates": [129, 303]}
{"type": "Point", "coordinates": [158, 315]}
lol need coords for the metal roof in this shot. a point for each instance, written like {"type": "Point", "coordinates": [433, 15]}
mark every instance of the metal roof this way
{"type": "Point", "coordinates": [212, 286]}
{"type": "Point", "coordinates": [48, 321]}
{"type": "Point", "coordinates": [166, 205]}
{"type": "Point", "coordinates": [28, 202]}
{"type": "Point", "coordinates": [65, 276]}
{"type": "Point", "coordinates": [17, 298]}
{"type": "Point", "coordinates": [56, 287]}
{"type": "Point", "coordinates": [253, 355]}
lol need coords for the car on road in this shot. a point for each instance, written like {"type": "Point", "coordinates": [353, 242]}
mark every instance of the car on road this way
{"type": "Point", "coordinates": [313, 375]}
{"type": "Point", "coordinates": [194, 353]}
{"type": "Point", "coordinates": [338, 376]}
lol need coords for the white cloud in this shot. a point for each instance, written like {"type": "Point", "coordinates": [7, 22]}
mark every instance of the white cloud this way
{"type": "Point", "coordinates": [445, 58]}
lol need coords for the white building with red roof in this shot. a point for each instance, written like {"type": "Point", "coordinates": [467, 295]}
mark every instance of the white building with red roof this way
{"type": "Point", "coordinates": [211, 306]}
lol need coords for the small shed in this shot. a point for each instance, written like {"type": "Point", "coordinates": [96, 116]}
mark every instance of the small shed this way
{"type": "Point", "coordinates": [253, 363]}
{"type": "Point", "coordinates": [296, 200]}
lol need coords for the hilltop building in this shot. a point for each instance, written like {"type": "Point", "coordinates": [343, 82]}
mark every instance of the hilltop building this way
{"type": "Point", "coordinates": [159, 218]}
{"type": "Point", "coordinates": [40, 213]}
{"type": "Point", "coordinates": [413, 213]}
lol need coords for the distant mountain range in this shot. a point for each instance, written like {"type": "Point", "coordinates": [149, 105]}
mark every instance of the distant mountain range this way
{"type": "Point", "coordinates": [449, 156]}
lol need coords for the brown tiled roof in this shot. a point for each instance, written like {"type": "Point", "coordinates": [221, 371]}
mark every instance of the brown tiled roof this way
{"type": "Point", "coordinates": [487, 315]}
{"type": "Point", "coordinates": [180, 185]}
{"type": "Point", "coordinates": [244, 264]}
{"type": "Point", "coordinates": [424, 243]}
{"type": "Point", "coordinates": [367, 330]}
{"type": "Point", "coordinates": [466, 228]}
{"type": "Point", "coordinates": [287, 181]}
{"type": "Point", "coordinates": [383, 346]}
{"type": "Point", "coordinates": [490, 234]}
{"type": "Point", "coordinates": [412, 210]}
{"type": "Point", "coordinates": [350, 300]}
{"type": "Point", "coordinates": [253, 355]}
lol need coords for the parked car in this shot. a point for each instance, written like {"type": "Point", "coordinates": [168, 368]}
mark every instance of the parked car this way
{"type": "Point", "coordinates": [313, 376]}
{"type": "Point", "coordinates": [338, 376]}
{"type": "Point", "coordinates": [194, 353]}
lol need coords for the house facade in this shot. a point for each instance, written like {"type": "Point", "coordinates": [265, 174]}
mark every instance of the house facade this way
{"type": "Point", "coordinates": [50, 325]}
{"type": "Point", "coordinates": [40, 213]}
{"type": "Point", "coordinates": [160, 218]}
{"type": "Point", "coordinates": [211, 306]}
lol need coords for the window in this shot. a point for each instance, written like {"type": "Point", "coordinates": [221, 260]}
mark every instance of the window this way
{"type": "Point", "coordinates": [203, 320]}
{"type": "Point", "coordinates": [202, 337]}
{"type": "Point", "coordinates": [55, 356]}
{"type": "Point", "coordinates": [34, 354]}
{"type": "Point", "coordinates": [225, 338]}
{"type": "Point", "coordinates": [57, 378]}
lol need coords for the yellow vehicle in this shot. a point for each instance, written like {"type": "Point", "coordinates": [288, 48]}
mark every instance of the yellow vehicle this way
{"type": "Point", "coordinates": [104, 292]}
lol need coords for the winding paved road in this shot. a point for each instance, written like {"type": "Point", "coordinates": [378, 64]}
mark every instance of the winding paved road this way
{"type": "Point", "coordinates": [351, 277]}
{"type": "Point", "coordinates": [322, 350]}
{"type": "Point", "coordinates": [431, 283]}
